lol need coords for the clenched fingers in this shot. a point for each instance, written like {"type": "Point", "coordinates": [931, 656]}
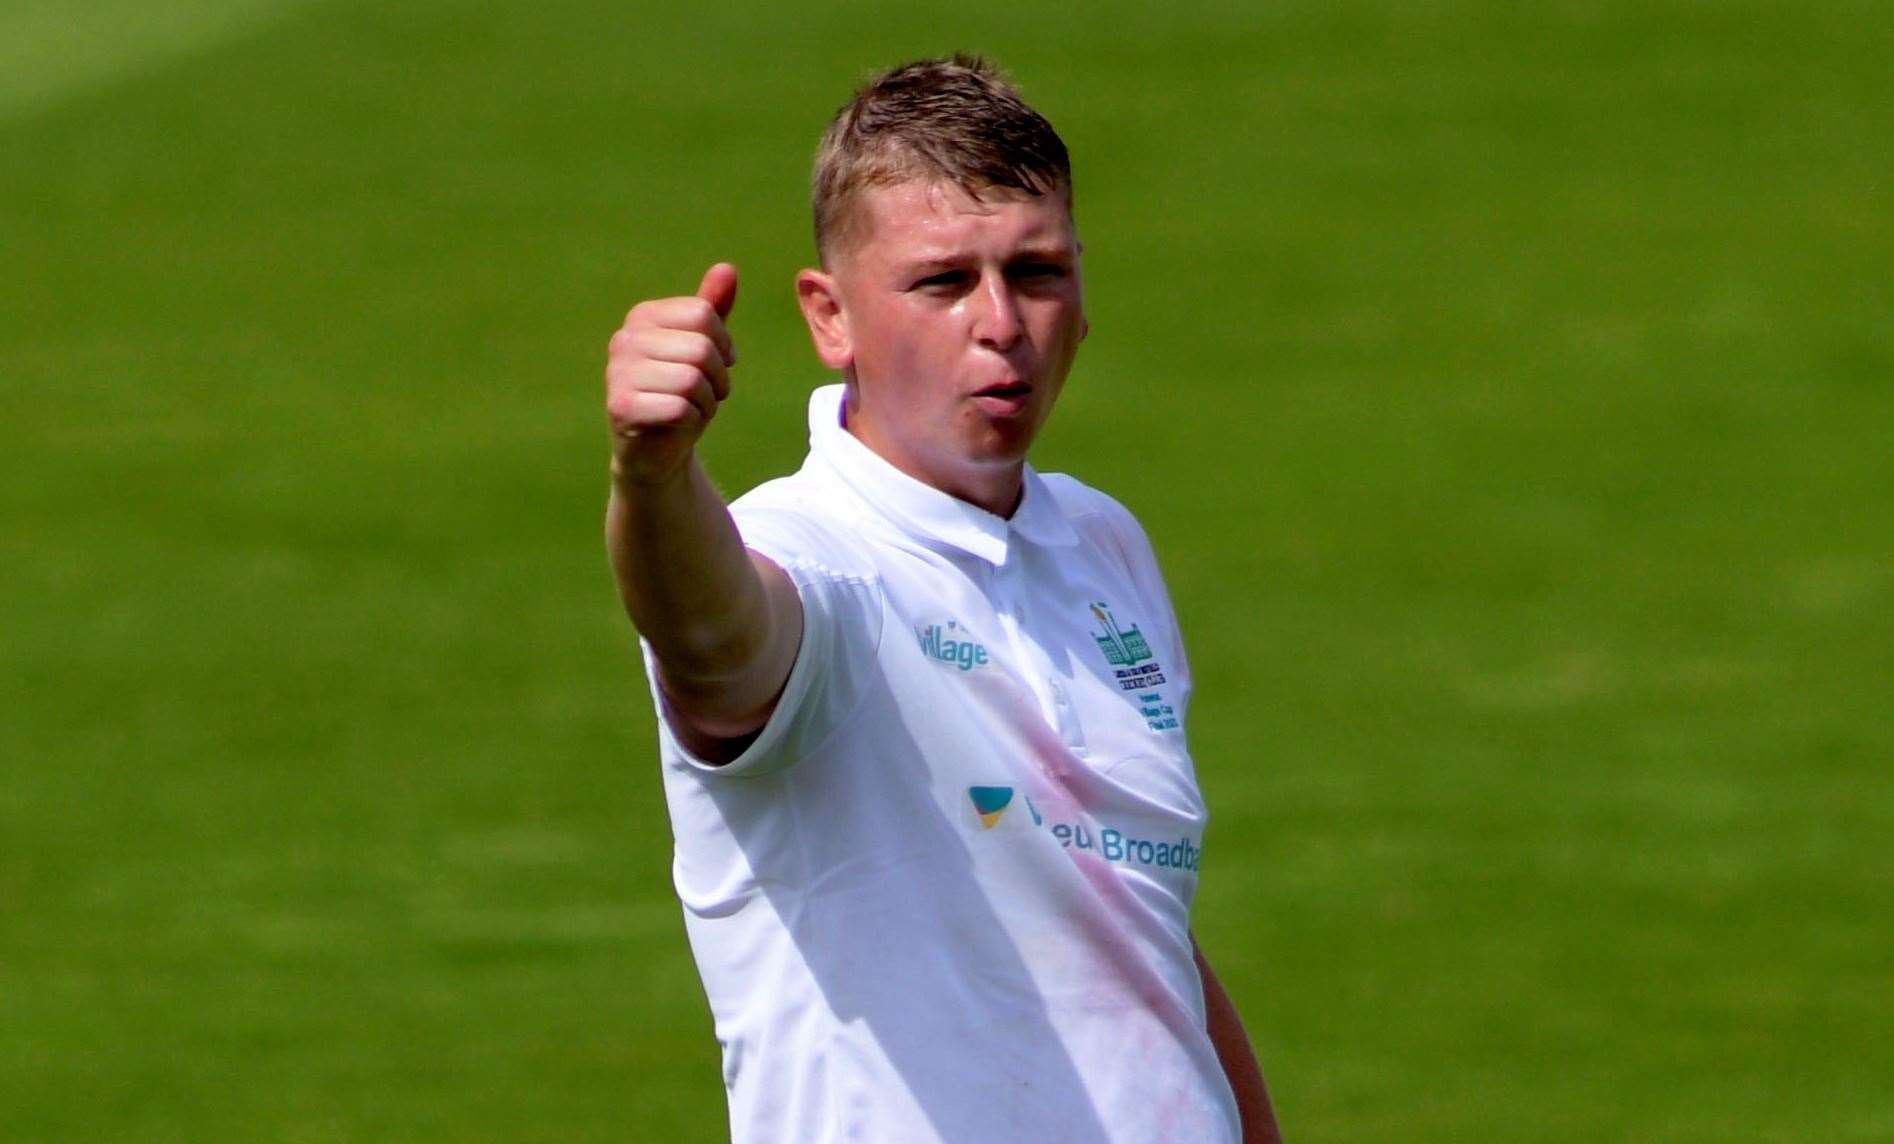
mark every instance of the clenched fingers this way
{"type": "Point", "coordinates": [683, 313]}
{"type": "Point", "coordinates": [683, 347]}
{"type": "Point", "coordinates": [648, 412]}
{"type": "Point", "coordinates": [627, 385]}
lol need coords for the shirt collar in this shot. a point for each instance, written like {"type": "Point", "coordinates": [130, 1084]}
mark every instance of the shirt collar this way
{"type": "Point", "coordinates": [921, 510]}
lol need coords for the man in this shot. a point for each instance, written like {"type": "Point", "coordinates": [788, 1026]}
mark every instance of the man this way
{"type": "Point", "coordinates": [921, 707]}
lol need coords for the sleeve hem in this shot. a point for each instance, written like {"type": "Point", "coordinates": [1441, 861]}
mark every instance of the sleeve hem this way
{"type": "Point", "coordinates": [761, 756]}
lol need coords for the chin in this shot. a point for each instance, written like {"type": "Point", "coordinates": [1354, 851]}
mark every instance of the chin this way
{"type": "Point", "coordinates": [1003, 441]}
{"type": "Point", "coordinates": [1004, 448]}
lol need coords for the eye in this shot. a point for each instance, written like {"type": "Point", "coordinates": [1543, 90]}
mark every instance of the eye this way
{"type": "Point", "coordinates": [943, 281]}
{"type": "Point", "coordinates": [1038, 271]}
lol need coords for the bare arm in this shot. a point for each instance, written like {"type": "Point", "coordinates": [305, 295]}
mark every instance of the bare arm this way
{"type": "Point", "coordinates": [1238, 1057]}
{"type": "Point", "coordinates": [723, 623]}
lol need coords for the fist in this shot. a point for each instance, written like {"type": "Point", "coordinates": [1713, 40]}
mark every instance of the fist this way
{"type": "Point", "coordinates": [667, 371]}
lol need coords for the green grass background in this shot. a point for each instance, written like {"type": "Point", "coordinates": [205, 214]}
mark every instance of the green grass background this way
{"type": "Point", "coordinates": [1507, 388]}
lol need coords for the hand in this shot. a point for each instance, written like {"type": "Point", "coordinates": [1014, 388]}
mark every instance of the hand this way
{"type": "Point", "coordinates": [667, 371]}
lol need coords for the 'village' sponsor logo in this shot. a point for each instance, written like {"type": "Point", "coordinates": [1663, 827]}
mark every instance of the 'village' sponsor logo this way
{"type": "Point", "coordinates": [948, 645]}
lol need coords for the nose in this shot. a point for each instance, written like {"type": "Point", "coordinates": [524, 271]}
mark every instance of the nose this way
{"type": "Point", "coordinates": [996, 319]}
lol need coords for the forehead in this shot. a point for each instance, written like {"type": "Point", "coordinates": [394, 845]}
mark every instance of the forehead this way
{"type": "Point", "coordinates": [919, 219]}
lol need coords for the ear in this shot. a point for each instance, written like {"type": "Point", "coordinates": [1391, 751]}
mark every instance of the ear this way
{"type": "Point", "coordinates": [828, 322]}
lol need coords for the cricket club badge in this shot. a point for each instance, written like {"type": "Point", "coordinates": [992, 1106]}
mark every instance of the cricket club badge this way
{"type": "Point", "coordinates": [1134, 666]}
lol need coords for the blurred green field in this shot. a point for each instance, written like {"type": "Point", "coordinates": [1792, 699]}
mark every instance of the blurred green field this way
{"type": "Point", "coordinates": [1510, 392]}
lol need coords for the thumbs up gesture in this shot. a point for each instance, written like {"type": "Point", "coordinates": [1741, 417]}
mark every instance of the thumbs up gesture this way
{"type": "Point", "coordinates": [667, 371]}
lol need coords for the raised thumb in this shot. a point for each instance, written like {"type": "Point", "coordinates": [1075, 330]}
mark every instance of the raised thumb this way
{"type": "Point", "coordinates": [719, 288]}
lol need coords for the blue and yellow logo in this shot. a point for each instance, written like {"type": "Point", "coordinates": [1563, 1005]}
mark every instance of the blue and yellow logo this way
{"type": "Point", "coordinates": [989, 802]}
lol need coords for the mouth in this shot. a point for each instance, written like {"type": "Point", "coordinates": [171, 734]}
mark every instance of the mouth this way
{"type": "Point", "coordinates": [1007, 399]}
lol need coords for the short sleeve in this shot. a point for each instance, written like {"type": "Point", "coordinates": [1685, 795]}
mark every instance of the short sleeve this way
{"type": "Point", "coordinates": [834, 665]}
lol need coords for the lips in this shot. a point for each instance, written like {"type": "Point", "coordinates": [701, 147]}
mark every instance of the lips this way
{"type": "Point", "coordinates": [1008, 400]}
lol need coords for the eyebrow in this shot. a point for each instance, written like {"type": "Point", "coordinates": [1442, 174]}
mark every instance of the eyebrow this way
{"type": "Point", "coordinates": [1054, 253]}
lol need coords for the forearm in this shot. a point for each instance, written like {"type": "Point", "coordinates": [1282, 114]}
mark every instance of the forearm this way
{"type": "Point", "coordinates": [1238, 1058]}
{"type": "Point", "coordinates": [686, 579]}
{"type": "Point", "coordinates": [724, 625]}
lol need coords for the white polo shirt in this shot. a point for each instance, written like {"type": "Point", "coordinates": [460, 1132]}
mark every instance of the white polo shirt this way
{"type": "Point", "coordinates": [945, 894]}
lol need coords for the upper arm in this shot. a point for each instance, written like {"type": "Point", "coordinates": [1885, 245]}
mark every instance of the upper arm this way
{"type": "Point", "coordinates": [814, 608]}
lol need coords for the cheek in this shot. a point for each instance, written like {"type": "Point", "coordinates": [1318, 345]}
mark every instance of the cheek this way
{"type": "Point", "coordinates": [914, 350]}
{"type": "Point", "coordinates": [1060, 328]}
{"type": "Point", "coordinates": [873, 347]}
{"type": "Point", "coordinates": [893, 360]}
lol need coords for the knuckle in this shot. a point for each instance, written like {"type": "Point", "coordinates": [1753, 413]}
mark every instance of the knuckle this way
{"type": "Point", "coordinates": [620, 375]}
{"type": "Point", "coordinates": [672, 377]}
{"type": "Point", "coordinates": [678, 410]}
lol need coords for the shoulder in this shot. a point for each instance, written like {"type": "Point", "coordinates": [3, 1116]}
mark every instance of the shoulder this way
{"type": "Point", "coordinates": [1097, 515]}
{"type": "Point", "coordinates": [1114, 531]}
{"type": "Point", "coordinates": [794, 520]}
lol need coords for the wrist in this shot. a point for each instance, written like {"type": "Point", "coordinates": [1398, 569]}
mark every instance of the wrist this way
{"type": "Point", "coordinates": [632, 479]}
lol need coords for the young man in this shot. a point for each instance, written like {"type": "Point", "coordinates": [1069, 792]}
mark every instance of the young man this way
{"type": "Point", "coordinates": [921, 707]}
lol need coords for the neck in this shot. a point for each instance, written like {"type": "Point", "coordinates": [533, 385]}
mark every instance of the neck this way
{"type": "Point", "coordinates": [996, 488]}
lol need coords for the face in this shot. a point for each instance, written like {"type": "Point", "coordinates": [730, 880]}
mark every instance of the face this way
{"type": "Point", "coordinates": [956, 321]}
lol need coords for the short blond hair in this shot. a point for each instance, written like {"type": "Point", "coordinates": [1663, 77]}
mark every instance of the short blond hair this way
{"type": "Point", "coordinates": [956, 120]}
